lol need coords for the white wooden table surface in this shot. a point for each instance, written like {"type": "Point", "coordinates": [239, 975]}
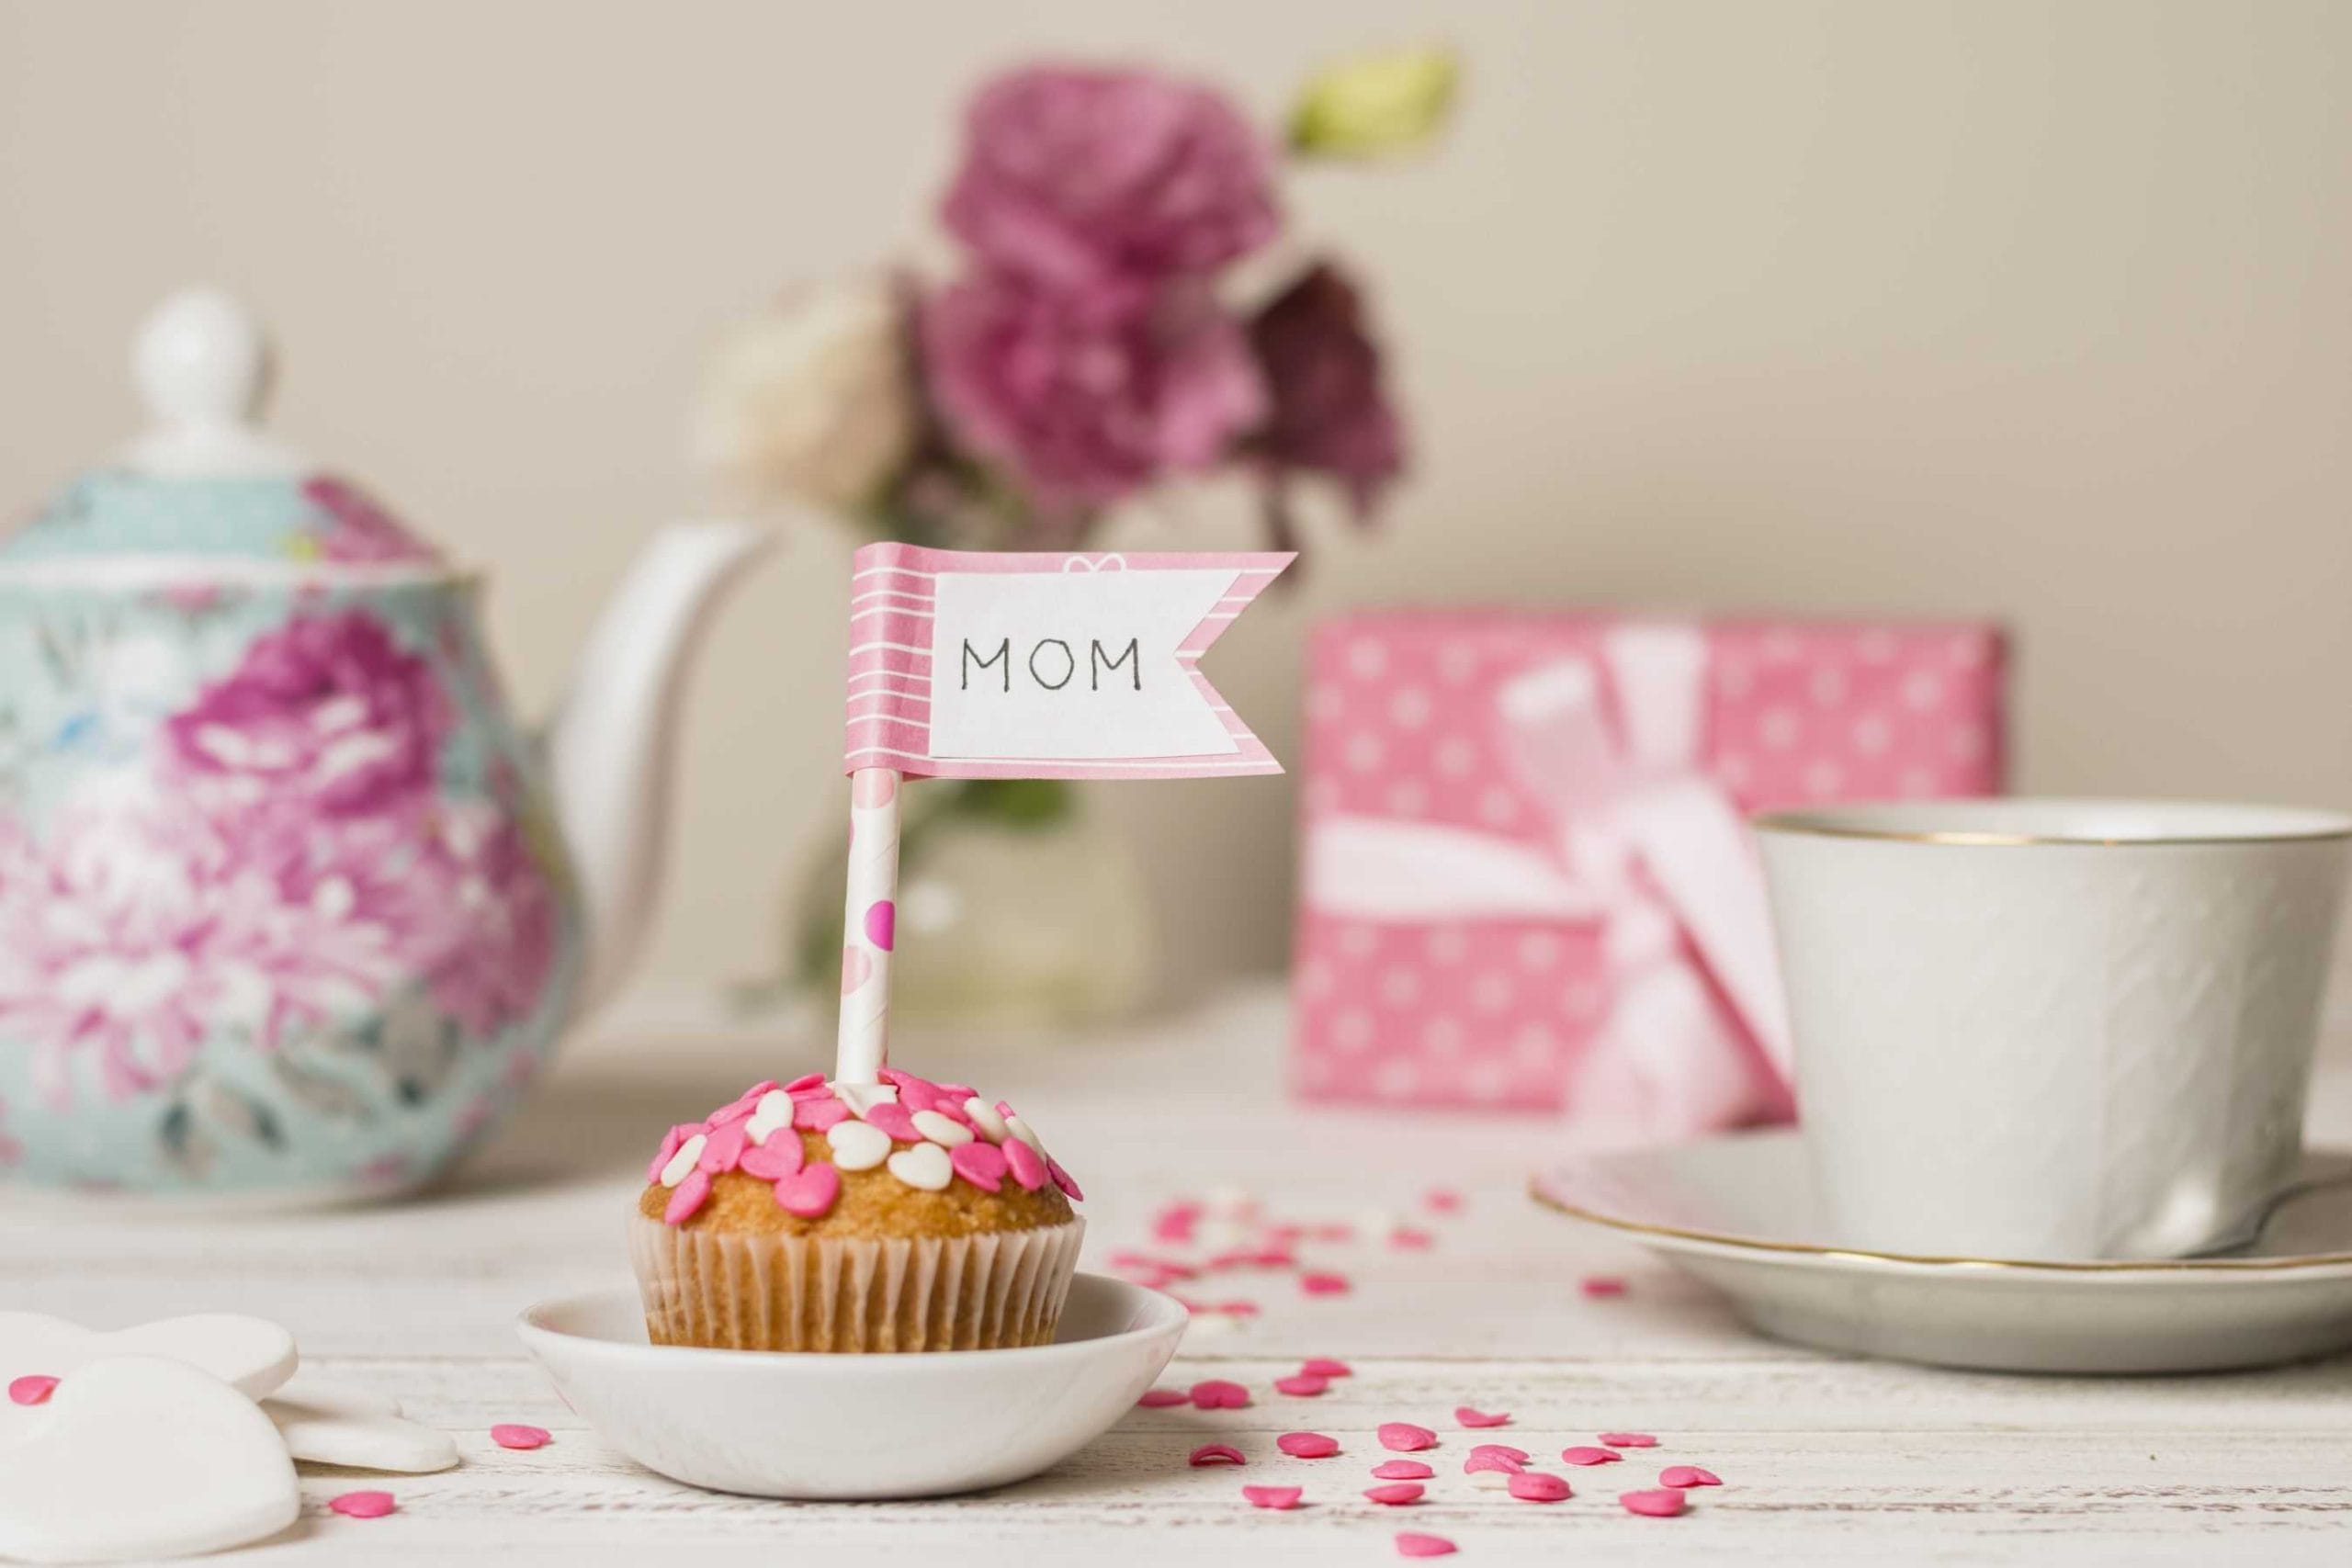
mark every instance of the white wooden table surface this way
{"type": "Point", "coordinates": [1827, 1460]}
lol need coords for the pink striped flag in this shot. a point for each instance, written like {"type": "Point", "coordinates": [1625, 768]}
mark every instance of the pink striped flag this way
{"type": "Point", "coordinates": [968, 665]}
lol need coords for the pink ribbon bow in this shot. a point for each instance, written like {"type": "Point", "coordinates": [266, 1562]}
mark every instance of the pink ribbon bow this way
{"type": "Point", "coordinates": [1644, 843]}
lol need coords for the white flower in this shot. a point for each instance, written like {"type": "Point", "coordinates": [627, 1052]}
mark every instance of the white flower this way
{"type": "Point", "coordinates": [810, 401]}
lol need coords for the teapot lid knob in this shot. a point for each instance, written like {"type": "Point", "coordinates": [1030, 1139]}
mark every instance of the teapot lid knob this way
{"type": "Point", "coordinates": [202, 365]}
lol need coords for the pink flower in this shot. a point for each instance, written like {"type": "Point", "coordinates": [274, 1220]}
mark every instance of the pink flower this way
{"type": "Point", "coordinates": [1077, 176]}
{"type": "Point", "coordinates": [363, 530]}
{"type": "Point", "coordinates": [1330, 416]}
{"type": "Point", "coordinates": [503, 906]}
{"type": "Point", "coordinates": [327, 712]}
{"type": "Point", "coordinates": [1086, 397]}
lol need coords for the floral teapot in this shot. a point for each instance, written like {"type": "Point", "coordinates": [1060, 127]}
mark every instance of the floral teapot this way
{"type": "Point", "coordinates": [291, 907]}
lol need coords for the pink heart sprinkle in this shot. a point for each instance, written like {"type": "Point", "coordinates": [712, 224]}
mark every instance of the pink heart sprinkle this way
{"type": "Point", "coordinates": [1663, 1503]}
{"type": "Point", "coordinates": [811, 1192]}
{"type": "Point", "coordinates": [1324, 1367]}
{"type": "Point", "coordinates": [1276, 1497]}
{"type": "Point", "coordinates": [816, 1114]}
{"type": "Point", "coordinates": [780, 1156]}
{"type": "Point", "coordinates": [514, 1434]}
{"type": "Point", "coordinates": [1535, 1486]}
{"type": "Point", "coordinates": [1308, 1445]}
{"type": "Point", "coordinates": [1582, 1455]}
{"type": "Point", "coordinates": [1682, 1475]}
{"type": "Point", "coordinates": [1324, 1284]}
{"type": "Point", "coordinates": [894, 1119]}
{"type": "Point", "coordinates": [1161, 1398]}
{"type": "Point", "coordinates": [723, 1148]}
{"type": "Point", "coordinates": [1027, 1167]}
{"type": "Point", "coordinates": [363, 1505]}
{"type": "Point", "coordinates": [1404, 1437]}
{"type": "Point", "coordinates": [981, 1164]}
{"type": "Point", "coordinates": [1503, 1462]}
{"type": "Point", "coordinates": [1402, 1469]}
{"type": "Point", "coordinates": [1216, 1453]}
{"type": "Point", "coordinates": [1412, 1543]}
{"type": "Point", "coordinates": [1407, 1239]}
{"type": "Point", "coordinates": [1396, 1492]}
{"type": "Point", "coordinates": [686, 1197]}
{"type": "Point", "coordinates": [33, 1389]}
{"type": "Point", "coordinates": [1442, 1201]}
{"type": "Point", "coordinates": [1063, 1179]}
{"type": "Point", "coordinates": [1303, 1386]}
{"type": "Point", "coordinates": [1601, 1285]}
{"type": "Point", "coordinates": [1215, 1393]}
{"type": "Point", "coordinates": [1475, 1418]}
{"type": "Point", "coordinates": [1501, 1451]}
{"type": "Point", "coordinates": [1629, 1439]}
{"type": "Point", "coordinates": [804, 1082]}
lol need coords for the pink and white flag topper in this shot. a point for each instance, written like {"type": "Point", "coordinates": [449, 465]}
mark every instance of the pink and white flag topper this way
{"type": "Point", "coordinates": [965, 665]}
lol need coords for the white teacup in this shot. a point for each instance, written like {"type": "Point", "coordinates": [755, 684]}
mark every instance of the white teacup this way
{"type": "Point", "coordinates": [2053, 1029]}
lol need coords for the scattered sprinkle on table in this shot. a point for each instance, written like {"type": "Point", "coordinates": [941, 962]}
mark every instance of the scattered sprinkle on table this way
{"type": "Point", "coordinates": [1582, 1454]}
{"type": "Point", "coordinates": [1215, 1453]}
{"type": "Point", "coordinates": [1629, 1439]}
{"type": "Point", "coordinates": [1324, 1367]}
{"type": "Point", "coordinates": [1467, 1417]}
{"type": "Point", "coordinates": [1443, 1200]}
{"type": "Point", "coordinates": [1602, 1286]}
{"type": "Point", "coordinates": [1276, 1497]}
{"type": "Point", "coordinates": [1308, 1445]}
{"type": "Point", "coordinates": [1405, 1238]}
{"type": "Point", "coordinates": [514, 1434]}
{"type": "Point", "coordinates": [1302, 1386]}
{"type": "Point", "coordinates": [34, 1387]}
{"type": "Point", "coordinates": [1215, 1393]}
{"type": "Point", "coordinates": [363, 1505]}
{"type": "Point", "coordinates": [1402, 1469]}
{"type": "Point", "coordinates": [1501, 1450]}
{"type": "Point", "coordinates": [1324, 1284]}
{"type": "Point", "coordinates": [1412, 1543]}
{"type": "Point", "coordinates": [1404, 1437]}
{"type": "Point", "coordinates": [1161, 1398]}
{"type": "Point", "coordinates": [1535, 1486]}
{"type": "Point", "coordinates": [1658, 1503]}
{"type": "Point", "coordinates": [1682, 1475]}
{"type": "Point", "coordinates": [1396, 1493]}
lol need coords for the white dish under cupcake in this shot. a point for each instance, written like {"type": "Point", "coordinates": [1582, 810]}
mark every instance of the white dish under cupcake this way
{"type": "Point", "coordinates": [844, 1427]}
{"type": "Point", "coordinates": [1741, 1213]}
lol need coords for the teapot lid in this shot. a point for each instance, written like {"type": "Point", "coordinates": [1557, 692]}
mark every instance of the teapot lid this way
{"type": "Point", "coordinates": [205, 481]}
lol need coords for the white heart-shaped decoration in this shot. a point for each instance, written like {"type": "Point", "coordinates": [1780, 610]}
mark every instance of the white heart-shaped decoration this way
{"type": "Point", "coordinates": [251, 1354]}
{"type": "Point", "coordinates": [136, 1456]}
{"type": "Point", "coordinates": [332, 1426]}
{"type": "Point", "coordinates": [944, 1131]}
{"type": "Point", "coordinates": [925, 1166]}
{"type": "Point", "coordinates": [857, 1146]}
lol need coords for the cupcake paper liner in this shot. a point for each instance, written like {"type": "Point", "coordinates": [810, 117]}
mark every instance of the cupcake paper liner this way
{"type": "Point", "coordinates": [732, 1291]}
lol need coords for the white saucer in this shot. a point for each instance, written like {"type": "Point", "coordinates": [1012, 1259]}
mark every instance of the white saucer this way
{"type": "Point", "coordinates": [1740, 1213]}
{"type": "Point", "coordinates": [817, 1427]}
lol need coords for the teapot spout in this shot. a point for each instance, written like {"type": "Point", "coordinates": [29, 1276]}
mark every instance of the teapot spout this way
{"type": "Point", "coordinates": [612, 742]}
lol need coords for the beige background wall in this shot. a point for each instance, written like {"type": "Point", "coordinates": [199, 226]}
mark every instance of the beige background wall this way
{"type": "Point", "coordinates": [2041, 309]}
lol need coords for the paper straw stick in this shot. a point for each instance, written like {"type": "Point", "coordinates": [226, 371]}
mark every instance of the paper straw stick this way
{"type": "Point", "coordinates": [869, 925]}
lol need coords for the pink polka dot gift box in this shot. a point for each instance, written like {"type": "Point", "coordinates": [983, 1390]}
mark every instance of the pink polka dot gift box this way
{"type": "Point", "coordinates": [1527, 882]}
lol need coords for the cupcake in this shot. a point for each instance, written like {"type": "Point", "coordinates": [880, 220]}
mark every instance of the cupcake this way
{"type": "Point", "coordinates": [902, 1215]}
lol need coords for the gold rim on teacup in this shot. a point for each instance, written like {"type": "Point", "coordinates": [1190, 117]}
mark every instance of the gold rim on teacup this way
{"type": "Point", "coordinates": [1902, 822]}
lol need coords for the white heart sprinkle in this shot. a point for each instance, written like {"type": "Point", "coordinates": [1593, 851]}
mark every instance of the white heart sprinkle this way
{"type": "Point", "coordinates": [861, 1098]}
{"type": "Point", "coordinates": [924, 1166]}
{"type": "Point", "coordinates": [1491, 1480]}
{"type": "Point", "coordinates": [942, 1130]}
{"type": "Point", "coordinates": [759, 1131]}
{"type": "Point", "coordinates": [857, 1146]}
{"type": "Point", "coordinates": [774, 1107]}
{"type": "Point", "coordinates": [683, 1160]}
{"type": "Point", "coordinates": [983, 1116]}
{"type": "Point", "coordinates": [1020, 1128]}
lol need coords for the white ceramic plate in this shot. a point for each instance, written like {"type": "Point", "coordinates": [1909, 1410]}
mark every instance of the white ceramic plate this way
{"type": "Point", "coordinates": [819, 1427]}
{"type": "Point", "coordinates": [1740, 1213]}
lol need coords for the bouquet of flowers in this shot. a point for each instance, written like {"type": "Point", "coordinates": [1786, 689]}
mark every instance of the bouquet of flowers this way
{"type": "Point", "coordinates": [1089, 345]}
